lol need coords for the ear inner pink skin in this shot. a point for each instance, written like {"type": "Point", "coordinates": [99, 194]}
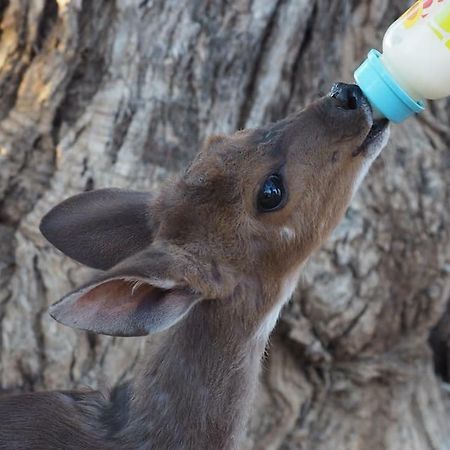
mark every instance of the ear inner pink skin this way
{"type": "Point", "coordinates": [120, 308]}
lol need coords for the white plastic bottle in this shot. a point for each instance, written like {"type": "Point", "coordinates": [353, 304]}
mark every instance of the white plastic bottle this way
{"type": "Point", "coordinates": [414, 65]}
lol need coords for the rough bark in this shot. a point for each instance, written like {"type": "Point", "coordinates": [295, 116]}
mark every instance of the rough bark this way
{"type": "Point", "coordinates": [122, 93]}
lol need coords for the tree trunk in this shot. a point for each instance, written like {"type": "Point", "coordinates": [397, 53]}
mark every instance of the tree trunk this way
{"type": "Point", "coordinates": [122, 93]}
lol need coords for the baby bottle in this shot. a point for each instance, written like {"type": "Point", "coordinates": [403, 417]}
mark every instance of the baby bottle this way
{"type": "Point", "coordinates": [414, 65]}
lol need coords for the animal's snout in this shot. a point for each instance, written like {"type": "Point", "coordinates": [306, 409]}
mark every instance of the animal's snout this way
{"type": "Point", "coordinates": [348, 96]}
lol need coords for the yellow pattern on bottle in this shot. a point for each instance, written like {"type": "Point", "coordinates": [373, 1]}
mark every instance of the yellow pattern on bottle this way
{"type": "Point", "coordinates": [441, 25]}
{"type": "Point", "coordinates": [413, 14]}
{"type": "Point", "coordinates": [437, 32]}
{"type": "Point", "coordinates": [443, 18]}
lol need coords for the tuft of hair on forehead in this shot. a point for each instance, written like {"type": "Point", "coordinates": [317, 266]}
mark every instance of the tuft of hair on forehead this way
{"type": "Point", "coordinates": [214, 163]}
{"type": "Point", "coordinates": [215, 140]}
{"type": "Point", "coordinates": [208, 180]}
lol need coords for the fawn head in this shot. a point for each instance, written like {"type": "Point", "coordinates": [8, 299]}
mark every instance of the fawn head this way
{"type": "Point", "coordinates": [250, 206]}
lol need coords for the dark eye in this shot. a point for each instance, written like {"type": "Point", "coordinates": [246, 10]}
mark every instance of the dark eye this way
{"type": "Point", "coordinates": [270, 196]}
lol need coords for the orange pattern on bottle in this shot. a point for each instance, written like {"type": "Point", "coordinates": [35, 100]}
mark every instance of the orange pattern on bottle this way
{"type": "Point", "coordinates": [413, 14]}
{"type": "Point", "coordinates": [440, 25]}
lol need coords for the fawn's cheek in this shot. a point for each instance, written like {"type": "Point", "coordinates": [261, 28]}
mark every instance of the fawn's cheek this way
{"type": "Point", "coordinates": [287, 233]}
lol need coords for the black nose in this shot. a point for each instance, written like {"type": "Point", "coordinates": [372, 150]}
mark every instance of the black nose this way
{"type": "Point", "coordinates": [349, 96]}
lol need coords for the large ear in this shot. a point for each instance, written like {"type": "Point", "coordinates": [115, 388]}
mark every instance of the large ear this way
{"type": "Point", "coordinates": [100, 228]}
{"type": "Point", "coordinates": [146, 293]}
{"type": "Point", "coordinates": [124, 307]}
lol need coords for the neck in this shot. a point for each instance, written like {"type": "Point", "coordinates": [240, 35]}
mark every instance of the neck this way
{"type": "Point", "coordinates": [197, 384]}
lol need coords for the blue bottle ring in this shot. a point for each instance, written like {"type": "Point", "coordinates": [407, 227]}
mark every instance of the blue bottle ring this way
{"type": "Point", "coordinates": [383, 91]}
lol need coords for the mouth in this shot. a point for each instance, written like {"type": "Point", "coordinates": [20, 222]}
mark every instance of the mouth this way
{"type": "Point", "coordinates": [375, 139]}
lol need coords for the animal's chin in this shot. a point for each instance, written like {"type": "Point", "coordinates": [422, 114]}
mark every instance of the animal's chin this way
{"type": "Point", "coordinates": [375, 140]}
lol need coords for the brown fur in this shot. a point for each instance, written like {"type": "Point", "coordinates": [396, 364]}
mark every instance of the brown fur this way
{"type": "Point", "coordinates": [208, 282]}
